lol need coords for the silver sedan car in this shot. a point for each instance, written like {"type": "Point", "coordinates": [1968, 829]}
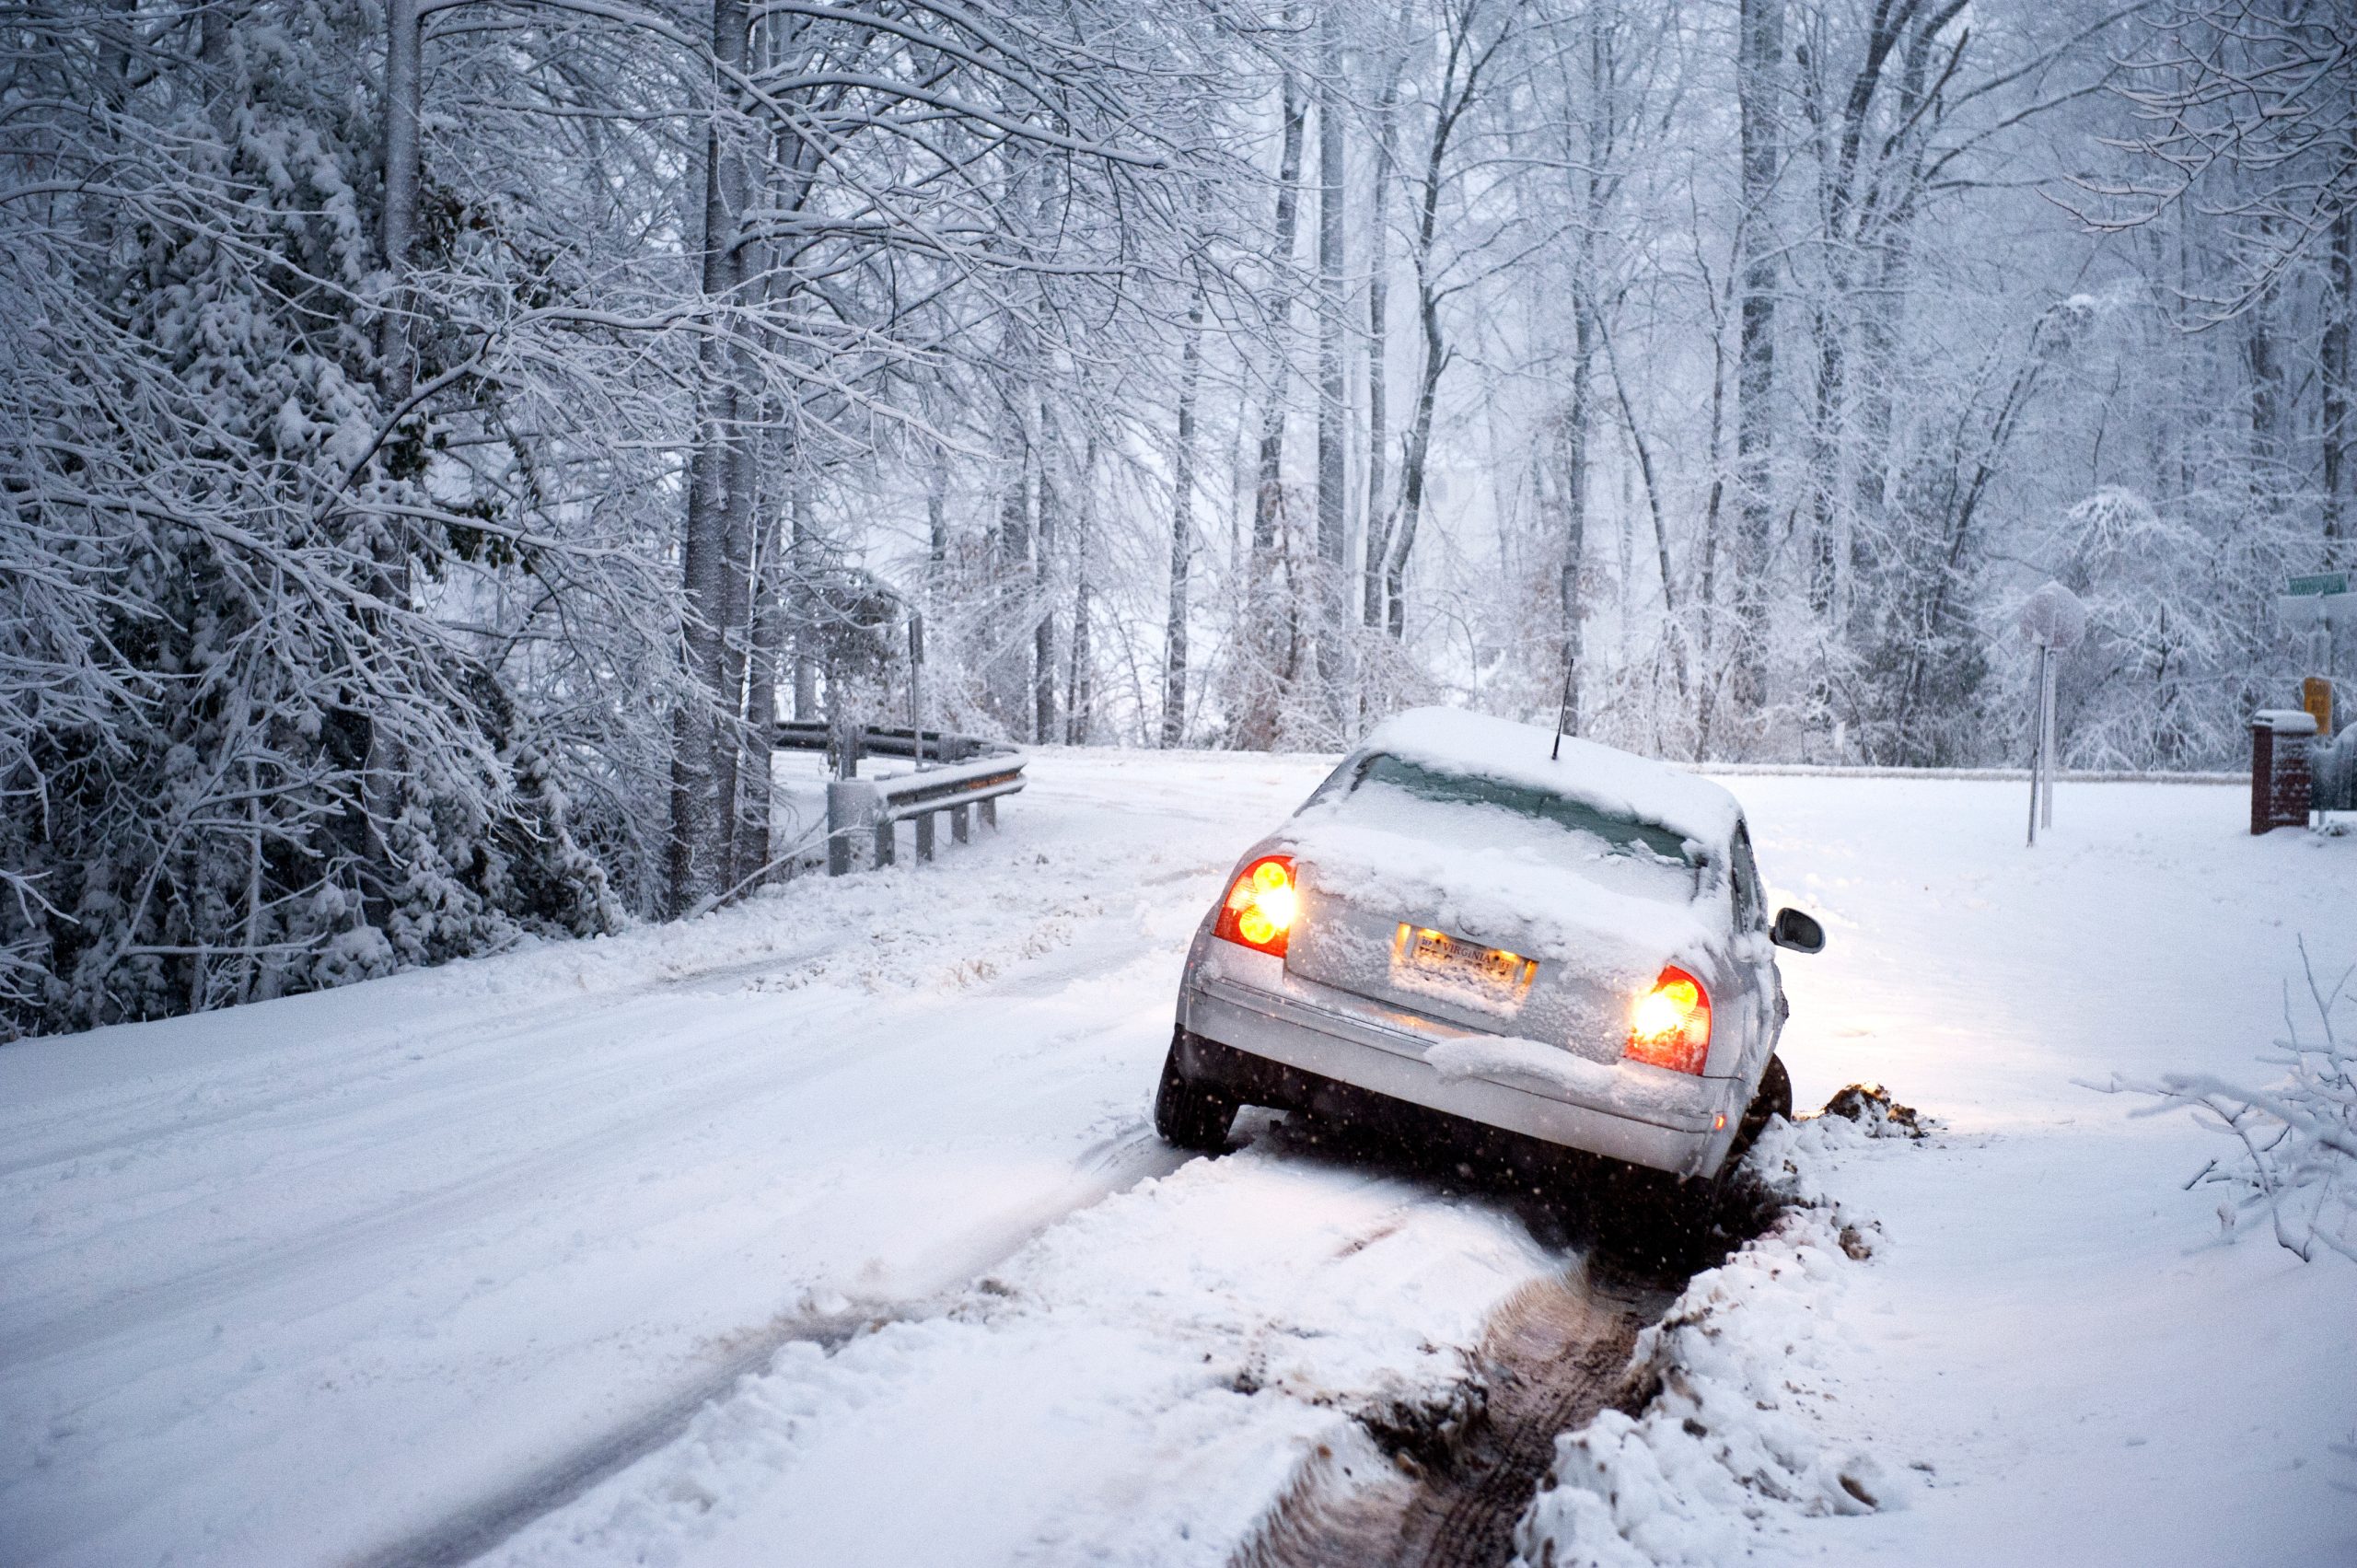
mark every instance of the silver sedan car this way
{"type": "Point", "coordinates": [1554, 938]}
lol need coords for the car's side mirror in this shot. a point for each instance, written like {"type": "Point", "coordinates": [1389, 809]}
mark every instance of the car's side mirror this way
{"type": "Point", "coordinates": [1799, 931]}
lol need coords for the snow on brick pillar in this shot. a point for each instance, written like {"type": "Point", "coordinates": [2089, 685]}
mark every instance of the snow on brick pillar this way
{"type": "Point", "coordinates": [2279, 768]}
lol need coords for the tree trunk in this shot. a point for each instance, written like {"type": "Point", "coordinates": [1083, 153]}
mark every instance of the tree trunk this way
{"type": "Point", "coordinates": [1760, 50]}
{"type": "Point", "coordinates": [1825, 454]}
{"type": "Point", "coordinates": [1571, 432]}
{"type": "Point", "coordinates": [2338, 388]}
{"type": "Point", "coordinates": [1333, 507]}
{"type": "Point", "coordinates": [1876, 380]}
{"type": "Point", "coordinates": [1412, 472]}
{"type": "Point", "coordinates": [802, 561]}
{"type": "Point", "coordinates": [404, 95]}
{"type": "Point", "coordinates": [1706, 594]}
{"type": "Point", "coordinates": [117, 27]}
{"type": "Point", "coordinates": [698, 837]}
{"type": "Point", "coordinates": [734, 738]}
{"type": "Point", "coordinates": [2266, 393]}
{"type": "Point", "coordinates": [937, 517]}
{"type": "Point", "coordinates": [768, 644]}
{"type": "Point", "coordinates": [1671, 630]}
{"type": "Point", "coordinates": [1455, 95]}
{"type": "Point", "coordinates": [1078, 684]}
{"type": "Point", "coordinates": [1182, 531]}
{"type": "Point", "coordinates": [1876, 375]}
{"type": "Point", "coordinates": [1378, 300]}
{"type": "Point", "coordinates": [1257, 719]}
{"type": "Point", "coordinates": [1043, 610]}
{"type": "Point", "coordinates": [1009, 554]}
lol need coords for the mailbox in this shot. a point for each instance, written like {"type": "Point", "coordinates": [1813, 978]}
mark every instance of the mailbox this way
{"type": "Point", "coordinates": [2280, 787]}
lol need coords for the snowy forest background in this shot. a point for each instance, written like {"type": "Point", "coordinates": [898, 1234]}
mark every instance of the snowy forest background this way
{"type": "Point", "coordinates": [430, 429]}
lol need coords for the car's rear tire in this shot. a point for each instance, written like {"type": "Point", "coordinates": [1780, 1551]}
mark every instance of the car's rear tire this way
{"type": "Point", "coordinates": [1192, 1115]}
{"type": "Point", "coordinates": [1658, 1222]}
{"type": "Point", "coordinates": [1774, 1098]}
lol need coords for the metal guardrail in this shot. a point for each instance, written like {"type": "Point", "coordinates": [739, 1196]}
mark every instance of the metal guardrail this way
{"type": "Point", "coordinates": [1868, 770]}
{"type": "Point", "coordinates": [889, 741]}
{"type": "Point", "coordinates": [873, 808]}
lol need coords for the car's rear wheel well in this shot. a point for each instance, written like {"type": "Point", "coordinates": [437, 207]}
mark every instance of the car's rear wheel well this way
{"type": "Point", "coordinates": [1191, 1111]}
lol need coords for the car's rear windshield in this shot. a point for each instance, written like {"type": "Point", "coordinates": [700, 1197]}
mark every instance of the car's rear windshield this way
{"type": "Point", "coordinates": [1620, 834]}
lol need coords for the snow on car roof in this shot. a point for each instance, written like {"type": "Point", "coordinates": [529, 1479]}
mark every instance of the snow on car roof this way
{"type": "Point", "coordinates": [1619, 782]}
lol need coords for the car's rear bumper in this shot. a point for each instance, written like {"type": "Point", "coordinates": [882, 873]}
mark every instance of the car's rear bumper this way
{"type": "Point", "coordinates": [1686, 1140]}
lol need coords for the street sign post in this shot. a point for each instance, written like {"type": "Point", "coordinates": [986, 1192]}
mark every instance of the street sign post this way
{"type": "Point", "coordinates": [2054, 620]}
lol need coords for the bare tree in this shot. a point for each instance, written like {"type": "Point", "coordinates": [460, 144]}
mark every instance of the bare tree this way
{"type": "Point", "coordinates": [1182, 531]}
{"type": "Point", "coordinates": [1333, 506]}
{"type": "Point", "coordinates": [1758, 65]}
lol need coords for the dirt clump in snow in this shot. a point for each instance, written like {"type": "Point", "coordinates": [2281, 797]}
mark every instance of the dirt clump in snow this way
{"type": "Point", "coordinates": [1870, 1107]}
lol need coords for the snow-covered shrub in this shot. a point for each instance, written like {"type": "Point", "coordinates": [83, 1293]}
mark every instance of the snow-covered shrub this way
{"type": "Point", "coordinates": [2295, 1139]}
{"type": "Point", "coordinates": [283, 676]}
{"type": "Point", "coordinates": [2144, 686]}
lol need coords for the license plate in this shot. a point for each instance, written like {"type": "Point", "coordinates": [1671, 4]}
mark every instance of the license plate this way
{"type": "Point", "coordinates": [1419, 953]}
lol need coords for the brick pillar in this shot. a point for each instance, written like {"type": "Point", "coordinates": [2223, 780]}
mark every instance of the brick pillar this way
{"type": "Point", "coordinates": [2279, 790]}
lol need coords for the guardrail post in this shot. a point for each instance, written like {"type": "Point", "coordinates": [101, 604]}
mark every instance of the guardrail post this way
{"type": "Point", "coordinates": [864, 812]}
{"type": "Point", "coordinates": [844, 803]}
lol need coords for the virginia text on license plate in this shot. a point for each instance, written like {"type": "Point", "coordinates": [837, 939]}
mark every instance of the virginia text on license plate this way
{"type": "Point", "coordinates": [1490, 972]}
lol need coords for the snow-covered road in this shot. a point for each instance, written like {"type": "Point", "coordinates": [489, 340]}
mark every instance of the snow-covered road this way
{"type": "Point", "coordinates": [384, 1273]}
{"type": "Point", "coordinates": [303, 1281]}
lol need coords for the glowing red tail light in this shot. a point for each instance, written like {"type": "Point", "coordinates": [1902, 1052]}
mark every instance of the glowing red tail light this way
{"type": "Point", "coordinates": [1671, 1025]}
{"type": "Point", "coordinates": [1260, 906]}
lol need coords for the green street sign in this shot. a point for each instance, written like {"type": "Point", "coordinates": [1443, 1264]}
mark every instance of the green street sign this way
{"type": "Point", "coordinates": [2319, 583]}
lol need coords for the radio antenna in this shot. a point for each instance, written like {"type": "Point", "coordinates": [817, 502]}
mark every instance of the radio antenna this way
{"type": "Point", "coordinates": [1562, 709]}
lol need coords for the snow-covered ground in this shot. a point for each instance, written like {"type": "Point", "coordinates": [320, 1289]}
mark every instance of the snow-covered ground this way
{"type": "Point", "coordinates": [2042, 1324]}
{"type": "Point", "coordinates": [829, 1229]}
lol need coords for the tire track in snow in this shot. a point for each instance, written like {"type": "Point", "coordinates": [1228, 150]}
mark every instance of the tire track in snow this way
{"type": "Point", "coordinates": [1444, 1483]}
{"type": "Point", "coordinates": [257, 1097]}
{"type": "Point", "coordinates": [387, 1230]}
{"type": "Point", "coordinates": [1111, 1167]}
{"type": "Point", "coordinates": [1108, 1169]}
{"type": "Point", "coordinates": [139, 1122]}
{"type": "Point", "coordinates": [51, 1323]}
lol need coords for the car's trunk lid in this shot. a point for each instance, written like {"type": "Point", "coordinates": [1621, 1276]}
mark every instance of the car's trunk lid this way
{"type": "Point", "coordinates": [1547, 985]}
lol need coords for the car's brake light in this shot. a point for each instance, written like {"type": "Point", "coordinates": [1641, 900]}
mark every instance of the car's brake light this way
{"type": "Point", "coordinates": [1671, 1024]}
{"type": "Point", "coordinates": [1261, 905]}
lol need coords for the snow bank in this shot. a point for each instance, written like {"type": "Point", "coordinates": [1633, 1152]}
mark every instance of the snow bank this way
{"type": "Point", "coordinates": [1742, 1428]}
